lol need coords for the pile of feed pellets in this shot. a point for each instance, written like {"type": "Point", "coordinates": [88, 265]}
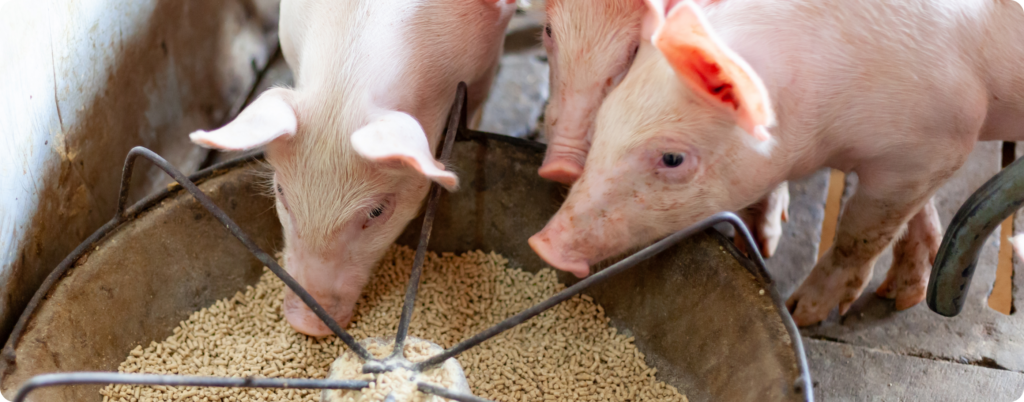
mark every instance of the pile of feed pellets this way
{"type": "Point", "coordinates": [400, 384]}
{"type": "Point", "coordinates": [568, 353]}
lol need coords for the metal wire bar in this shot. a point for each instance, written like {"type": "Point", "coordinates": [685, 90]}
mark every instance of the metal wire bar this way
{"type": "Point", "coordinates": [82, 378]}
{"type": "Point", "coordinates": [122, 215]}
{"type": "Point", "coordinates": [447, 393]}
{"type": "Point", "coordinates": [599, 277]}
{"type": "Point", "coordinates": [456, 119]}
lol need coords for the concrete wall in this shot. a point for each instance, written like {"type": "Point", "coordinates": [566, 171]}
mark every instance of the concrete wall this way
{"type": "Point", "coordinates": [84, 81]}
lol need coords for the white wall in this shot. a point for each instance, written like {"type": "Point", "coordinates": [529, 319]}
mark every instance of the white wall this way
{"type": "Point", "coordinates": [83, 81]}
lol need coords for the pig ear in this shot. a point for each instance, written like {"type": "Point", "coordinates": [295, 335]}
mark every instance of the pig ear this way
{"type": "Point", "coordinates": [710, 68]}
{"type": "Point", "coordinates": [398, 137]}
{"type": "Point", "coordinates": [270, 117]}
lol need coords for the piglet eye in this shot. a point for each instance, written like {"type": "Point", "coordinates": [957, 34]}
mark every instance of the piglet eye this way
{"type": "Point", "coordinates": [672, 159]}
{"type": "Point", "coordinates": [547, 30]}
{"type": "Point", "coordinates": [279, 190]}
{"type": "Point", "coordinates": [376, 211]}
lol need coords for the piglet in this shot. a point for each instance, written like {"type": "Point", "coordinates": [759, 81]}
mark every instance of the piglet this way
{"type": "Point", "coordinates": [724, 102]}
{"type": "Point", "coordinates": [352, 145]}
{"type": "Point", "coordinates": [590, 46]}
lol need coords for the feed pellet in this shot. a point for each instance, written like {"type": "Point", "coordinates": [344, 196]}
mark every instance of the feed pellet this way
{"type": "Point", "coordinates": [568, 353]}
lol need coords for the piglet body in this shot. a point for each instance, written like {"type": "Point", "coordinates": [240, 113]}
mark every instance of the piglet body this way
{"type": "Point", "coordinates": [352, 145]}
{"type": "Point", "coordinates": [726, 101]}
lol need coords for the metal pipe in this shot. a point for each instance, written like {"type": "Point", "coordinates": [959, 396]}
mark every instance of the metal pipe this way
{"type": "Point", "coordinates": [980, 215]}
{"type": "Point", "coordinates": [81, 378]}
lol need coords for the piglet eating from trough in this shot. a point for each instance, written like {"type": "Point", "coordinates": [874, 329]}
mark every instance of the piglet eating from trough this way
{"type": "Point", "coordinates": [725, 101]}
{"type": "Point", "coordinates": [591, 46]}
{"type": "Point", "coordinates": [352, 144]}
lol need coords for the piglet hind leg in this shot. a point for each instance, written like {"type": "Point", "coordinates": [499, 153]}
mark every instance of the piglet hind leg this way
{"type": "Point", "coordinates": [912, 259]}
{"type": "Point", "coordinates": [874, 216]}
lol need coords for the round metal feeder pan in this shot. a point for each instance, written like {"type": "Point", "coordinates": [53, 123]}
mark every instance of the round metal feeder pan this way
{"type": "Point", "coordinates": [705, 316]}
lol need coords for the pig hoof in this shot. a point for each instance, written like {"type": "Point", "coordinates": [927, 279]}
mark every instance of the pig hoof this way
{"type": "Point", "coordinates": [825, 289]}
{"type": "Point", "coordinates": [907, 292]}
{"type": "Point", "coordinates": [561, 171]}
{"type": "Point", "coordinates": [304, 321]}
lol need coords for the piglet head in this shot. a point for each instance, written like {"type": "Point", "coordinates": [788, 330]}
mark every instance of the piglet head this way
{"type": "Point", "coordinates": [590, 46]}
{"type": "Point", "coordinates": [344, 191]}
{"type": "Point", "coordinates": [679, 139]}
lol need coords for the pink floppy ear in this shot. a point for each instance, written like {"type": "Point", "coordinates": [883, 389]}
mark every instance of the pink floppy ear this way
{"type": "Point", "coordinates": [270, 117]}
{"type": "Point", "coordinates": [712, 70]}
{"type": "Point", "coordinates": [398, 137]}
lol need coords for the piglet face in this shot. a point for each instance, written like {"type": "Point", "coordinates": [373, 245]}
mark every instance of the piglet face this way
{"type": "Point", "coordinates": [344, 187]}
{"type": "Point", "coordinates": [332, 244]}
{"type": "Point", "coordinates": [665, 154]}
{"type": "Point", "coordinates": [660, 161]}
{"type": "Point", "coordinates": [590, 47]}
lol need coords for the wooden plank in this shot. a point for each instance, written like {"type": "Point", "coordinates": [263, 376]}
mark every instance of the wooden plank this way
{"type": "Point", "coordinates": [836, 184]}
{"type": "Point", "coordinates": [1001, 299]}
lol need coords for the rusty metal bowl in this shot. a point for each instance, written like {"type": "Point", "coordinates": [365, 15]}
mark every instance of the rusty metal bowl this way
{"type": "Point", "coordinates": [706, 317]}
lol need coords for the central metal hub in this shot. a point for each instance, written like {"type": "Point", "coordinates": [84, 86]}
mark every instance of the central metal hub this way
{"type": "Point", "coordinates": [389, 364]}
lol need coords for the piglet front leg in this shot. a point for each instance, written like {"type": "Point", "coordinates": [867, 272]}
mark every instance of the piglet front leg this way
{"type": "Point", "coordinates": [764, 220]}
{"type": "Point", "coordinates": [912, 259]}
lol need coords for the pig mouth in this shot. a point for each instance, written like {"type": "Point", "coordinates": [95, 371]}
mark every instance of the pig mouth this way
{"type": "Point", "coordinates": [303, 320]}
{"type": "Point", "coordinates": [559, 257]}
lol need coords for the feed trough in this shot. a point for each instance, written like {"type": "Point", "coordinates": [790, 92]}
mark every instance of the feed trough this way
{"type": "Point", "coordinates": [706, 316]}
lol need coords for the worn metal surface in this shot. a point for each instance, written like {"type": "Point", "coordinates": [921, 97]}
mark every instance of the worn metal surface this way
{"type": "Point", "coordinates": [700, 316]}
{"type": "Point", "coordinates": [118, 296]}
{"type": "Point", "coordinates": [980, 215]}
{"type": "Point", "coordinates": [84, 82]}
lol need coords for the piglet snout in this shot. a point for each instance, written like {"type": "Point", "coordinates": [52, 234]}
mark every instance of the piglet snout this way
{"type": "Point", "coordinates": [558, 255]}
{"type": "Point", "coordinates": [303, 320]}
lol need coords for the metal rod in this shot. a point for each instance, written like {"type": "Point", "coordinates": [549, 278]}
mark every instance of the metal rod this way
{"type": "Point", "coordinates": [447, 393]}
{"type": "Point", "coordinates": [578, 288]}
{"type": "Point", "coordinates": [455, 121]}
{"type": "Point", "coordinates": [958, 254]}
{"type": "Point", "coordinates": [82, 378]}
